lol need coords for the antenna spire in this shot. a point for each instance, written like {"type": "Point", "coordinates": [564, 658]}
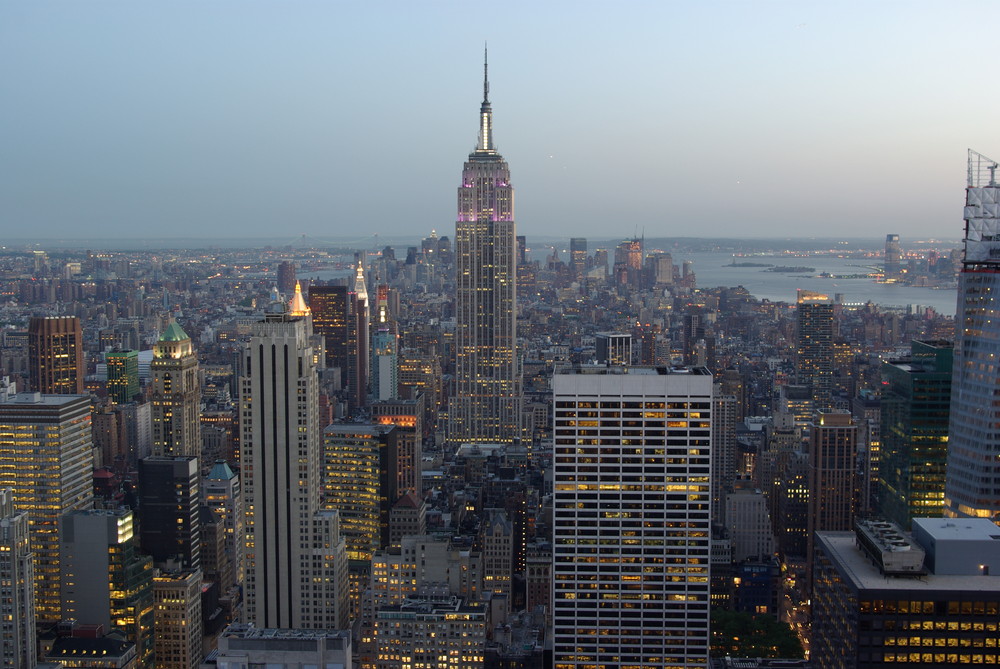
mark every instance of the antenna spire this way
{"type": "Point", "coordinates": [485, 112]}
{"type": "Point", "coordinates": [486, 77]}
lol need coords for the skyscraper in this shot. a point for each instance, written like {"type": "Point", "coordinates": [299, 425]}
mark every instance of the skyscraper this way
{"type": "Point", "coordinates": [123, 375]}
{"type": "Point", "coordinates": [296, 567]}
{"type": "Point", "coordinates": [916, 397]}
{"type": "Point", "coordinates": [892, 256]}
{"type": "Point", "coordinates": [169, 519]}
{"type": "Point", "coordinates": [55, 355]}
{"type": "Point", "coordinates": [106, 579]}
{"type": "Point", "coordinates": [46, 456]}
{"type": "Point", "coordinates": [485, 408]}
{"type": "Point", "coordinates": [17, 599]}
{"type": "Point", "coordinates": [972, 485]}
{"type": "Point", "coordinates": [631, 517]}
{"type": "Point", "coordinates": [578, 257]}
{"type": "Point", "coordinates": [814, 339]}
{"type": "Point", "coordinates": [176, 395]}
{"type": "Point", "coordinates": [833, 451]}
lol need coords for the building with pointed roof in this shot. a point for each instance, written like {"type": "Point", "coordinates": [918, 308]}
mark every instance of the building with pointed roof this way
{"type": "Point", "coordinates": [176, 401]}
{"type": "Point", "coordinates": [486, 405]}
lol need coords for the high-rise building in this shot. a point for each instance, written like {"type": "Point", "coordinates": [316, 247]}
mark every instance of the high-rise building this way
{"type": "Point", "coordinates": [223, 495]}
{"type": "Point", "coordinates": [632, 517]}
{"type": "Point", "coordinates": [385, 349]}
{"type": "Point", "coordinates": [123, 375]}
{"type": "Point", "coordinates": [972, 486]}
{"type": "Point", "coordinates": [17, 584]}
{"type": "Point", "coordinates": [916, 398]}
{"type": "Point", "coordinates": [169, 520]}
{"type": "Point", "coordinates": [331, 309]}
{"type": "Point", "coordinates": [613, 348]}
{"type": "Point", "coordinates": [893, 254]}
{"type": "Point", "coordinates": [833, 452]}
{"type": "Point", "coordinates": [105, 578]}
{"type": "Point", "coordinates": [814, 341]}
{"type": "Point", "coordinates": [287, 277]}
{"type": "Point", "coordinates": [578, 257]}
{"type": "Point", "coordinates": [46, 457]}
{"type": "Point", "coordinates": [176, 395]}
{"type": "Point", "coordinates": [360, 482]}
{"type": "Point", "coordinates": [485, 408]}
{"type": "Point", "coordinates": [177, 617]}
{"type": "Point", "coordinates": [883, 598]}
{"type": "Point", "coordinates": [296, 567]}
{"type": "Point", "coordinates": [408, 418]}
{"type": "Point", "coordinates": [55, 355]}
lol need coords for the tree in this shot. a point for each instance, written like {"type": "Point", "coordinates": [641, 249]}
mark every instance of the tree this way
{"type": "Point", "coordinates": [745, 635]}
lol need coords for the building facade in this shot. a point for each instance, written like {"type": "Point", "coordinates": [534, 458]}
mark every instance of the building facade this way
{"type": "Point", "coordinates": [915, 405]}
{"type": "Point", "coordinates": [176, 395]}
{"type": "Point", "coordinates": [814, 341]}
{"type": "Point", "coordinates": [972, 486]}
{"type": "Point", "coordinates": [17, 596]}
{"type": "Point", "coordinates": [296, 572]}
{"type": "Point", "coordinates": [632, 517]}
{"type": "Point", "coordinates": [486, 406]}
{"type": "Point", "coordinates": [46, 457]}
{"type": "Point", "coordinates": [55, 355]}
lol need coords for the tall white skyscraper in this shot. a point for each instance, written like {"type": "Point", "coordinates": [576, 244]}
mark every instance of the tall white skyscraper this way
{"type": "Point", "coordinates": [296, 567]}
{"type": "Point", "coordinates": [972, 483]}
{"type": "Point", "coordinates": [632, 517]}
{"type": "Point", "coordinates": [485, 408]}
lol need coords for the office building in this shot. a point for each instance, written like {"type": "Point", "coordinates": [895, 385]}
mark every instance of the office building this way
{"type": "Point", "coordinates": [916, 401]}
{"type": "Point", "coordinates": [55, 355]}
{"type": "Point", "coordinates": [296, 571]}
{"type": "Point", "coordinates": [814, 342]}
{"type": "Point", "coordinates": [360, 482]}
{"type": "Point", "coordinates": [613, 348]}
{"type": "Point", "coordinates": [123, 375]}
{"type": "Point", "coordinates": [169, 520]}
{"type": "Point", "coordinates": [750, 532]}
{"type": "Point", "coordinates": [407, 416]}
{"type": "Point", "coordinates": [440, 632]}
{"type": "Point", "coordinates": [893, 254]}
{"type": "Point", "coordinates": [177, 617]}
{"type": "Point", "coordinates": [176, 395]}
{"type": "Point", "coordinates": [242, 646]}
{"type": "Point", "coordinates": [330, 307]}
{"type": "Point", "coordinates": [972, 484]}
{"type": "Point", "coordinates": [385, 350]}
{"type": "Point", "coordinates": [632, 517]}
{"type": "Point", "coordinates": [882, 598]}
{"type": "Point", "coordinates": [486, 405]}
{"type": "Point", "coordinates": [17, 585]}
{"type": "Point", "coordinates": [287, 276]}
{"type": "Point", "coordinates": [497, 537]}
{"type": "Point", "coordinates": [833, 452]}
{"type": "Point", "coordinates": [46, 457]}
{"type": "Point", "coordinates": [106, 580]}
{"type": "Point", "coordinates": [223, 495]}
{"type": "Point", "coordinates": [578, 257]}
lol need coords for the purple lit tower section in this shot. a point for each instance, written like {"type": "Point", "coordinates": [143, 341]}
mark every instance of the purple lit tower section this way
{"type": "Point", "coordinates": [485, 408]}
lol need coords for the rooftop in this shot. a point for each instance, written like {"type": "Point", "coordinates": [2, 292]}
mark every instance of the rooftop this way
{"type": "Point", "coordinates": [863, 574]}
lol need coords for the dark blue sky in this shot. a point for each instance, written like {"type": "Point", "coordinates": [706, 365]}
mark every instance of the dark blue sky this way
{"type": "Point", "coordinates": [225, 118]}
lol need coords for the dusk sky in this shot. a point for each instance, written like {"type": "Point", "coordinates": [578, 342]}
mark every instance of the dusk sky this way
{"type": "Point", "coordinates": [342, 120]}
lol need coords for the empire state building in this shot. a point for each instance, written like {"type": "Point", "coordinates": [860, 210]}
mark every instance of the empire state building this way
{"type": "Point", "coordinates": [486, 405]}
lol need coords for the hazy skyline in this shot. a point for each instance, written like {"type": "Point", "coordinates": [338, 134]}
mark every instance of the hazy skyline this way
{"type": "Point", "coordinates": [257, 119]}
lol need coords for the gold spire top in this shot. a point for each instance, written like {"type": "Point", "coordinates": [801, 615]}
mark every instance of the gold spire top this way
{"type": "Point", "coordinates": [298, 306]}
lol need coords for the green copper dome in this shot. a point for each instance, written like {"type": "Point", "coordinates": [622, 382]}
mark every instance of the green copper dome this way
{"type": "Point", "coordinates": [174, 332]}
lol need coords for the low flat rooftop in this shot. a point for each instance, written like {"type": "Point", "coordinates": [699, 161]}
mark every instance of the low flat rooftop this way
{"type": "Point", "coordinates": [859, 569]}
